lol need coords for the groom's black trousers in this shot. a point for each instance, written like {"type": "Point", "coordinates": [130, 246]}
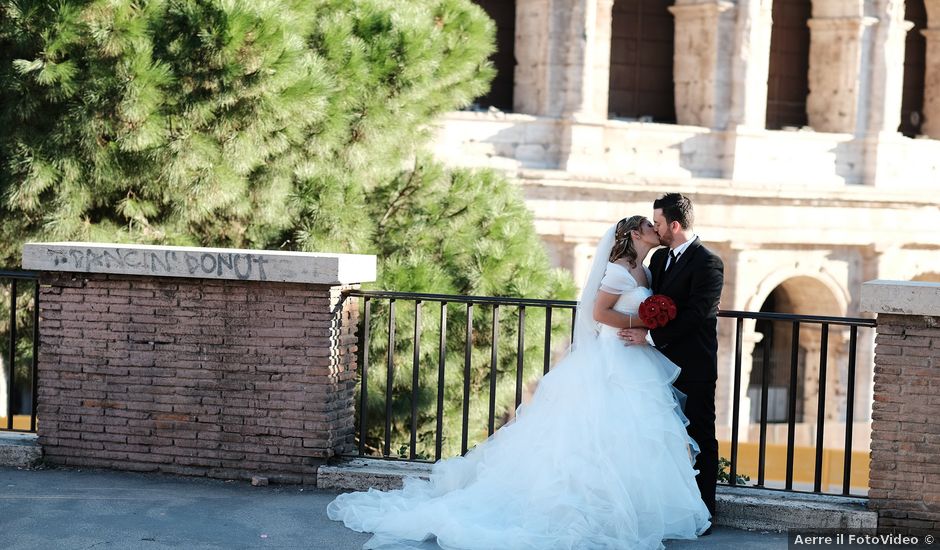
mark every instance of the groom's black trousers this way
{"type": "Point", "coordinates": [700, 410]}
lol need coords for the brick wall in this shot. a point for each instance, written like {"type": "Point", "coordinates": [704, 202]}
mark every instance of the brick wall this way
{"type": "Point", "coordinates": [905, 447]}
{"type": "Point", "coordinates": [225, 379]}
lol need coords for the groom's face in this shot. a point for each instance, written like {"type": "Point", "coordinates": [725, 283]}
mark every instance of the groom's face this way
{"type": "Point", "coordinates": [661, 226]}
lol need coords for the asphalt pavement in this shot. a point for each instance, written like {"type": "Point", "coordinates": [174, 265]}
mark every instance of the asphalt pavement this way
{"type": "Point", "coordinates": [95, 509]}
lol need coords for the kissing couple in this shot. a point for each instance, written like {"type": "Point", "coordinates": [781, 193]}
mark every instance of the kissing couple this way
{"type": "Point", "coordinates": [617, 447]}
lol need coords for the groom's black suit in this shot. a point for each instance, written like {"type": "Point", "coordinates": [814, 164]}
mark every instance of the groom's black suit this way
{"type": "Point", "coordinates": [691, 342]}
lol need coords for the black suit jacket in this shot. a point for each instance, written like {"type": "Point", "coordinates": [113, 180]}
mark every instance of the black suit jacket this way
{"type": "Point", "coordinates": [694, 284]}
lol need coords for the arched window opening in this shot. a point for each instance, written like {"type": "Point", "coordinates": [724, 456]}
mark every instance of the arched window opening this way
{"type": "Point", "coordinates": [788, 75]}
{"type": "Point", "coordinates": [503, 13]}
{"type": "Point", "coordinates": [641, 65]}
{"type": "Point", "coordinates": [798, 295]}
{"type": "Point", "coordinates": [915, 58]}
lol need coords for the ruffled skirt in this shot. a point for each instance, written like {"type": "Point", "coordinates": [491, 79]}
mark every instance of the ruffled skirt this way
{"type": "Point", "coordinates": [599, 458]}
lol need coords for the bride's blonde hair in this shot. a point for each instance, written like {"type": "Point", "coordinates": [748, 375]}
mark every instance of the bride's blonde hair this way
{"type": "Point", "coordinates": [623, 240]}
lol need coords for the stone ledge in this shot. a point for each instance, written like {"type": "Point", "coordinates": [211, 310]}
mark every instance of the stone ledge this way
{"type": "Point", "coordinates": [360, 474]}
{"type": "Point", "coordinates": [738, 507]}
{"type": "Point", "coordinates": [901, 297]}
{"type": "Point", "coordinates": [762, 509]}
{"type": "Point", "coordinates": [201, 263]}
{"type": "Point", "coordinates": [19, 450]}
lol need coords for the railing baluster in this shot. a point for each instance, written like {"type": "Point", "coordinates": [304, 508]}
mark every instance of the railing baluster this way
{"type": "Point", "coordinates": [849, 411]}
{"type": "Point", "coordinates": [364, 388]}
{"type": "Point", "coordinates": [416, 358]}
{"type": "Point", "coordinates": [520, 355]}
{"type": "Point", "coordinates": [11, 363]}
{"type": "Point", "coordinates": [390, 378]}
{"type": "Point", "coordinates": [35, 359]}
{"type": "Point", "coordinates": [547, 353]}
{"type": "Point", "coordinates": [736, 401]}
{"type": "Point", "coordinates": [821, 405]}
{"type": "Point", "coordinates": [791, 414]}
{"type": "Point", "coordinates": [8, 355]}
{"type": "Point", "coordinates": [766, 368]}
{"type": "Point", "coordinates": [574, 318]}
{"type": "Point", "coordinates": [768, 343]}
{"type": "Point", "coordinates": [441, 355]}
{"type": "Point", "coordinates": [466, 381]}
{"type": "Point", "coordinates": [494, 346]}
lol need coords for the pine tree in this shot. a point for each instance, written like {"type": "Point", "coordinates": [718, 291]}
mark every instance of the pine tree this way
{"type": "Point", "coordinates": [270, 124]}
{"type": "Point", "coordinates": [240, 123]}
{"type": "Point", "coordinates": [466, 233]}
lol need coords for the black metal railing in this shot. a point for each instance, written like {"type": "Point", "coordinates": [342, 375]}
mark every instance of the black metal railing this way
{"type": "Point", "coordinates": [797, 323]}
{"type": "Point", "coordinates": [431, 351]}
{"type": "Point", "coordinates": [548, 310]}
{"type": "Point", "coordinates": [19, 323]}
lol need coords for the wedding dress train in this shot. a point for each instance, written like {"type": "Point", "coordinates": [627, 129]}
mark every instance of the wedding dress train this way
{"type": "Point", "coordinates": [599, 458]}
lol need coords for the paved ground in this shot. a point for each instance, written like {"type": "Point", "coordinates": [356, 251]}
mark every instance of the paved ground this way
{"type": "Point", "coordinates": [81, 509]}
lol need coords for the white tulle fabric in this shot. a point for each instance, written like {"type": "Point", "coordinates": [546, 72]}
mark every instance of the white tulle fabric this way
{"type": "Point", "coordinates": [599, 458]}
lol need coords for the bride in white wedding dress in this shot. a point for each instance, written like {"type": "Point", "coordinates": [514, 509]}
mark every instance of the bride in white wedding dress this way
{"type": "Point", "coordinates": [599, 458]}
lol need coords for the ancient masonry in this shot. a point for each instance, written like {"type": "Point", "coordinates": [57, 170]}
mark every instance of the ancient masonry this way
{"type": "Point", "coordinates": [208, 362]}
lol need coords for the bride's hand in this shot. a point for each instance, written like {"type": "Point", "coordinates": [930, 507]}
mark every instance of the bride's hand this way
{"type": "Point", "coordinates": [633, 336]}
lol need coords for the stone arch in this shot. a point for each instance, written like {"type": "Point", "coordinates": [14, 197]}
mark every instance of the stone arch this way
{"type": "Point", "coordinates": [500, 95]}
{"type": "Point", "coordinates": [915, 66]}
{"type": "Point", "coordinates": [839, 293]}
{"type": "Point", "coordinates": [788, 73]}
{"type": "Point", "coordinates": [641, 61]}
{"type": "Point", "coordinates": [797, 291]}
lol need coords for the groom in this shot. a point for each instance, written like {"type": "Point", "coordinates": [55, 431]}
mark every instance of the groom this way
{"type": "Point", "coordinates": [692, 276]}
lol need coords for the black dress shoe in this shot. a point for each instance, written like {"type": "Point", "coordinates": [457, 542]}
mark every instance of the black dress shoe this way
{"type": "Point", "coordinates": [706, 532]}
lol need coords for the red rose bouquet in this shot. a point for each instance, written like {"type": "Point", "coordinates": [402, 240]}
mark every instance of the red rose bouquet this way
{"type": "Point", "coordinates": [657, 310]}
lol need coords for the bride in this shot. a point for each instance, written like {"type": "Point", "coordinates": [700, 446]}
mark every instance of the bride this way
{"type": "Point", "coordinates": [599, 458]}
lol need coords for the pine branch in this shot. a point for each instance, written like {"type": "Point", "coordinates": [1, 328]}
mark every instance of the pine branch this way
{"type": "Point", "coordinates": [411, 185]}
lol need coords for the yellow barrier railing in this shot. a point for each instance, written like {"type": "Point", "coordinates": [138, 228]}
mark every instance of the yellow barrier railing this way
{"type": "Point", "coordinates": [804, 465]}
{"type": "Point", "coordinates": [20, 422]}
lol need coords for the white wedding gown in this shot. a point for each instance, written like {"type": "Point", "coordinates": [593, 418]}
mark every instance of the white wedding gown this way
{"type": "Point", "coordinates": [599, 458]}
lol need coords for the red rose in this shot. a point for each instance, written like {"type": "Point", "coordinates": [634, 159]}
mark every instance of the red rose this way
{"type": "Point", "coordinates": [657, 310]}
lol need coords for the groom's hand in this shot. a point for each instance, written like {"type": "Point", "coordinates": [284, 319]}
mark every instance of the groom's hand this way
{"type": "Point", "coordinates": [633, 336]}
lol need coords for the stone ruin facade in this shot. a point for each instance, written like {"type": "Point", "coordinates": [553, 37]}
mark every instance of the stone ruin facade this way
{"type": "Point", "coordinates": [806, 131]}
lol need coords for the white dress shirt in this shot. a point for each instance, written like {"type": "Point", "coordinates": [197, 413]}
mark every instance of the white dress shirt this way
{"type": "Point", "coordinates": [679, 250]}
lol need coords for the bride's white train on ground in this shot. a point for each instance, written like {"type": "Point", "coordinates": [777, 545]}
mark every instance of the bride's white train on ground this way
{"type": "Point", "coordinates": [599, 458]}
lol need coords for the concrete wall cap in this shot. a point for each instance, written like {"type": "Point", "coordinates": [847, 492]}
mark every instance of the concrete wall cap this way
{"type": "Point", "coordinates": [901, 297]}
{"type": "Point", "coordinates": [201, 263]}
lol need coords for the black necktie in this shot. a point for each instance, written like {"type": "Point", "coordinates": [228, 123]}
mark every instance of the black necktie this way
{"type": "Point", "coordinates": [673, 257]}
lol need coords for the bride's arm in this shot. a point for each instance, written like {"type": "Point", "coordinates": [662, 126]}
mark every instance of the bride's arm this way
{"type": "Point", "coordinates": [604, 312]}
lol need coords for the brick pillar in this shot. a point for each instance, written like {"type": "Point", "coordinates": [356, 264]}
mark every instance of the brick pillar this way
{"type": "Point", "coordinates": [563, 69]}
{"type": "Point", "coordinates": [883, 144]}
{"type": "Point", "coordinates": [585, 83]}
{"type": "Point", "coordinates": [205, 362]}
{"type": "Point", "coordinates": [563, 58]}
{"type": "Point", "coordinates": [905, 435]}
{"type": "Point", "coordinates": [702, 70]}
{"type": "Point", "coordinates": [750, 65]}
{"type": "Point", "coordinates": [886, 68]}
{"type": "Point", "coordinates": [835, 67]}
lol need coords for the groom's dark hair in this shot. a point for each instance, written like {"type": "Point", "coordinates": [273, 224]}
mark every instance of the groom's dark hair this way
{"type": "Point", "coordinates": [676, 208]}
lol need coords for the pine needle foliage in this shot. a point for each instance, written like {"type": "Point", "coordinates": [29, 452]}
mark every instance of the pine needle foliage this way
{"type": "Point", "coordinates": [465, 233]}
{"type": "Point", "coordinates": [265, 124]}
{"type": "Point", "coordinates": [243, 123]}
